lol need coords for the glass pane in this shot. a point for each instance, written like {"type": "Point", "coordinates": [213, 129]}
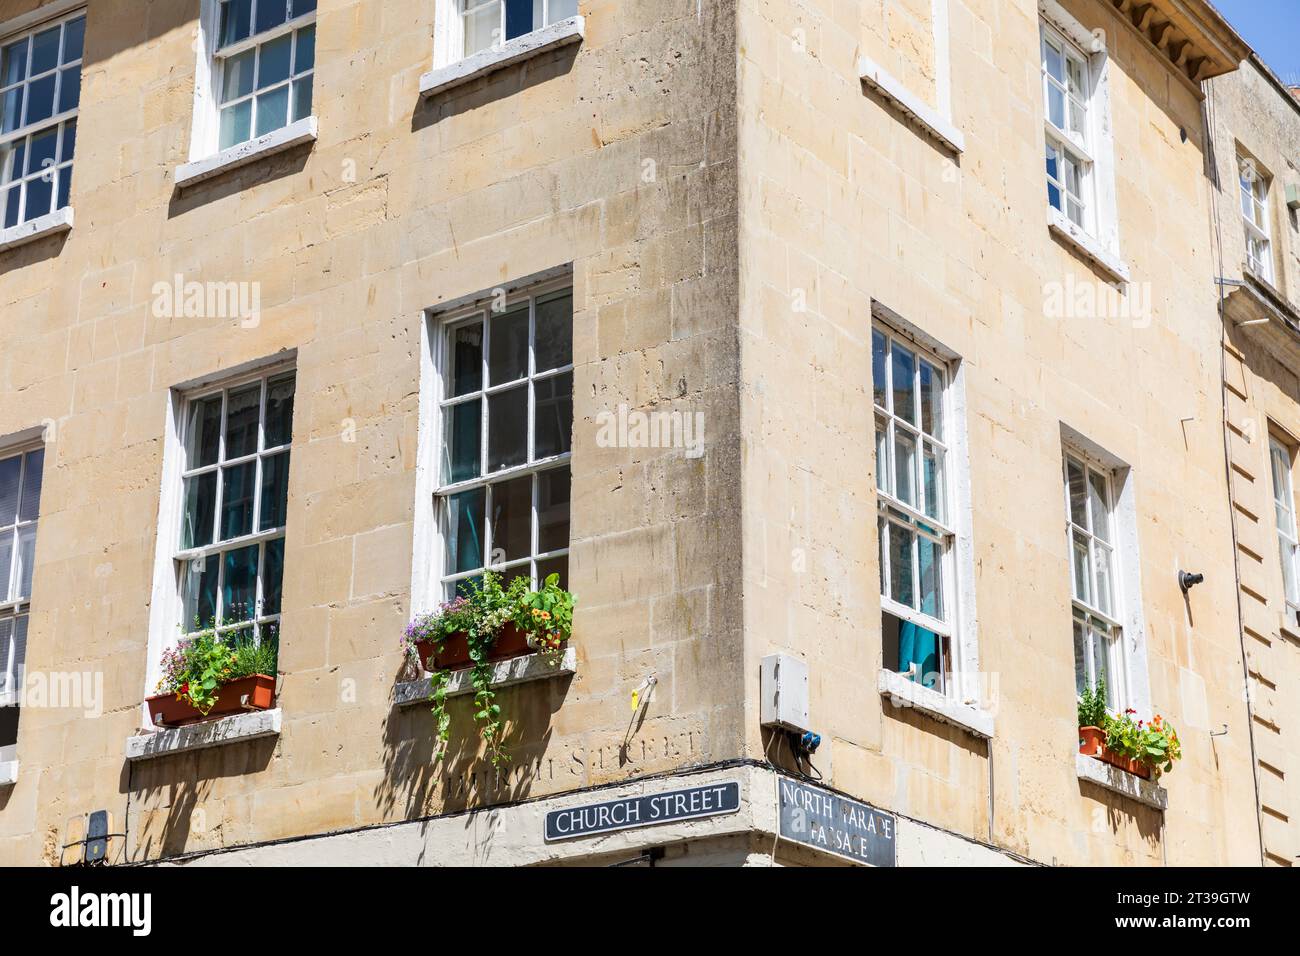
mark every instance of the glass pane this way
{"type": "Point", "coordinates": [882, 536]}
{"type": "Point", "coordinates": [1287, 553]}
{"type": "Point", "coordinates": [930, 555]}
{"type": "Point", "coordinates": [1102, 556]}
{"type": "Point", "coordinates": [274, 61]}
{"type": "Point", "coordinates": [237, 500]}
{"type": "Point", "coordinates": [904, 387]}
{"type": "Point", "coordinates": [40, 193]}
{"type": "Point", "coordinates": [512, 519]}
{"type": "Point", "coordinates": [482, 28]}
{"type": "Point", "coordinates": [40, 99]}
{"type": "Point", "coordinates": [199, 510]}
{"type": "Point", "coordinates": [69, 141]}
{"type": "Point", "coordinates": [882, 454]}
{"type": "Point", "coordinates": [12, 157]}
{"type": "Point", "coordinates": [902, 543]}
{"type": "Point", "coordinates": [1081, 680]}
{"type": "Point", "coordinates": [199, 593]}
{"type": "Point", "coordinates": [1097, 503]}
{"type": "Point", "coordinates": [934, 485]}
{"type": "Point", "coordinates": [242, 410]}
{"type": "Point", "coordinates": [931, 400]}
{"type": "Point", "coordinates": [553, 346]}
{"type": "Point", "coordinates": [519, 17]}
{"type": "Point", "coordinates": [8, 680]}
{"type": "Point", "coordinates": [7, 540]}
{"type": "Point", "coordinates": [239, 584]}
{"type": "Point", "coordinates": [1054, 60]}
{"type": "Point", "coordinates": [270, 14]}
{"type": "Point", "coordinates": [236, 21]}
{"type": "Point", "coordinates": [553, 489]}
{"type": "Point", "coordinates": [237, 76]}
{"type": "Point", "coordinates": [463, 440]}
{"type": "Point", "coordinates": [74, 36]}
{"type": "Point", "coordinates": [11, 111]}
{"type": "Point", "coordinates": [13, 63]}
{"type": "Point", "coordinates": [45, 51]}
{"type": "Point", "coordinates": [1100, 666]}
{"type": "Point", "coordinates": [302, 7]}
{"type": "Point", "coordinates": [203, 433]}
{"type": "Point", "coordinates": [1078, 117]}
{"type": "Point", "coordinates": [11, 206]}
{"type": "Point", "coordinates": [1055, 106]}
{"type": "Point", "coordinates": [1078, 507]}
{"type": "Point", "coordinates": [272, 110]}
{"type": "Point", "coordinates": [10, 475]}
{"type": "Point", "coordinates": [554, 398]}
{"type": "Point", "coordinates": [465, 530]}
{"type": "Point", "coordinates": [508, 429]}
{"type": "Point", "coordinates": [301, 99]}
{"type": "Point", "coordinates": [1074, 211]}
{"type": "Point", "coordinates": [65, 184]}
{"type": "Point", "coordinates": [551, 566]}
{"type": "Point", "coordinates": [30, 505]}
{"type": "Point", "coordinates": [236, 124]}
{"type": "Point", "coordinates": [561, 10]}
{"type": "Point", "coordinates": [1082, 570]}
{"type": "Point", "coordinates": [275, 492]}
{"type": "Point", "coordinates": [272, 576]}
{"type": "Point", "coordinates": [466, 359]}
{"type": "Point", "coordinates": [304, 57]}
{"type": "Point", "coordinates": [69, 89]}
{"type": "Point", "coordinates": [904, 467]}
{"type": "Point", "coordinates": [26, 560]}
{"type": "Point", "coordinates": [508, 348]}
{"type": "Point", "coordinates": [278, 427]}
{"type": "Point", "coordinates": [44, 149]}
{"type": "Point", "coordinates": [878, 377]}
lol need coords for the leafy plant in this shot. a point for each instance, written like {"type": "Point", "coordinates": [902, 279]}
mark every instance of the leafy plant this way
{"type": "Point", "coordinates": [199, 665]}
{"type": "Point", "coordinates": [256, 657]}
{"type": "Point", "coordinates": [546, 616]}
{"type": "Point", "coordinates": [1155, 744]}
{"type": "Point", "coordinates": [1092, 705]}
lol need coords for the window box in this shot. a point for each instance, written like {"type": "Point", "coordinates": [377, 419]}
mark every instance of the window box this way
{"type": "Point", "coordinates": [1092, 743]}
{"type": "Point", "coordinates": [455, 652]}
{"type": "Point", "coordinates": [53, 224]}
{"type": "Point", "coordinates": [248, 693]}
{"type": "Point", "coordinates": [506, 673]}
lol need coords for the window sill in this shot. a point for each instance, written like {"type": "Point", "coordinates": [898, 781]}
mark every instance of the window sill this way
{"type": "Point", "coordinates": [911, 105]}
{"type": "Point", "coordinates": [563, 33]}
{"type": "Point", "coordinates": [906, 693]}
{"type": "Point", "coordinates": [250, 726]}
{"type": "Point", "coordinates": [9, 698]}
{"type": "Point", "coordinates": [51, 224]}
{"type": "Point", "coordinates": [1109, 777]}
{"type": "Point", "coordinates": [1085, 245]}
{"type": "Point", "coordinates": [516, 670]}
{"type": "Point", "coordinates": [8, 773]}
{"type": "Point", "coordinates": [276, 141]}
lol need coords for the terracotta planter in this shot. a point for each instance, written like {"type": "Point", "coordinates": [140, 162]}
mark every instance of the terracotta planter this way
{"type": "Point", "coordinates": [248, 693]}
{"type": "Point", "coordinates": [1092, 743]}
{"type": "Point", "coordinates": [511, 642]}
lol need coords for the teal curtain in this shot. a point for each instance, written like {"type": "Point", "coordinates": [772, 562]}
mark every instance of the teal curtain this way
{"type": "Point", "coordinates": [918, 646]}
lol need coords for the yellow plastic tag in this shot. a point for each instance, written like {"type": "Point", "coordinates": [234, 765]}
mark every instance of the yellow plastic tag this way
{"type": "Point", "coordinates": [636, 697]}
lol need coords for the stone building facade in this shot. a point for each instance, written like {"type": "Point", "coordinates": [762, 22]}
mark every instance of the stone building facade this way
{"type": "Point", "coordinates": [805, 356]}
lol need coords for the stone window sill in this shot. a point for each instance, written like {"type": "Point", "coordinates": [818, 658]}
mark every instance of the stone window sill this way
{"type": "Point", "coordinates": [51, 224]}
{"type": "Point", "coordinates": [516, 670]}
{"type": "Point", "coordinates": [513, 51]}
{"type": "Point", "coordinates": [1086, 246]}
{"type": "Point", "coordinates": [276, 141]}
{"type": "Point", "coordinates": [911, 105]}
{"type": "Point", "coordinates": [8, 773]}
{"type": "Point", "coordinates": [1109, 777]}
{"type": "Point", "coordinates": [907, 693]}
{"type": "Point", "coordinates": [9, 698]}
{"type": "Point", "coordinates": [227, 730]}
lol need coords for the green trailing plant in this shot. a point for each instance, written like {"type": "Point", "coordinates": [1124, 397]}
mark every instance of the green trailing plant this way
{"type": "Point", "coordinates": [480, 613]}
{"type": "Point", "coordinates": [1092, 705]}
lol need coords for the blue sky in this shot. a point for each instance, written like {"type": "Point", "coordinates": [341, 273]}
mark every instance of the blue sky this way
{"type": "Point", "coordinates": [1272, 27]}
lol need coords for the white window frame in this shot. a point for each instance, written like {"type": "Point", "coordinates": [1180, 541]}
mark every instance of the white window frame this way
{"type": "Point", "coordinates": [1255, 187]}
{"type": "Point", "coordinates": [205, 135]}
{"type": "Point", "coordinates": [167, 602]}
{"type": "Point", "coordinates": [1281, 460]}
{"type": "Point", "coordinates": [429, 574]}
{"type": "Point", "coordinates": [12, 656]}
{"type": "Point", "coordinates": [449, 32]}
{"type": "Point", "coordinates": [1070, 146]}
{"type": "Point", "coordinates": [960, 669]}
{"type": "Point", "coordinates": [13, 32]}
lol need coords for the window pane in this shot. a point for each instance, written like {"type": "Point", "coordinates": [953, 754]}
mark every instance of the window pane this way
{"type": "Point", "coordinates": [272, 576]}
{"type": "Point", "coordinates": [904, 386]}
{"type": "Point", "coordinates": [512, 519]}
{"type": "Point", "coordinates": [10, 475]}
{"type": "Point", "coordinates": [562, 10]}
{"type": "Point", "coordinates": [274, 61]}
{"type": "Point", "coordinates": [26, 560]}
{"type": "Point", "coordinates": [558, 566]}
{"type": "Point", "coordinates": [11, 112]}
{"type": "Point", "coordinates": [65, 184]}
{"type": "Point", "coordinates": [902, 543]}
{"type": "Point", "coordinates": [1081, 680]}
{"type": "Point", "coordinates": [1055, 106]}
{"type": "Point", "coordinates": [904, 467]}
{"type": "Point", "coordinates": [553, 490]}
{"type": "Point", "coordinates": [1287, 552]}
{"type": "Point", "coordinates": [465, 530]}
{"type": "Point", "coordinates": [508, 351]}
{"type": "Point", "coordinates": [237, 500]}
{"type": "Point", "coordinates": [554, 398]}
{"type": "Point", "coordinates": [11, 206]}
{"type": "Point", "coordinates": [203, 432]}
{"type": "Point", "coordinates": [40, 194]}
{"type": "Point", "coordinates": [304, 57]}
{"type": "Point", "coordinates": [69, 89]}
{"type": "Point", "coordinates": [931, 571]}
{"type": "Point", "coordinates": [236, 124]}
{"type": "Point", "coordinates": [1082, 569]}
{"type": "Point", "coordinates": [7, 540]}
{"type": "Point", "coordinates": [44, 149]}
{"type": "Point", "coordinates": [236, 21]}
{"type": "Point", "coordinates": [239, 584]}
{"type": "Point", "coordinates": [519, 18]}
{"type": "Point", "coordinates": [931, 400]}
{"type": "Point", "coordinates": [882, 535]}
{"type": "Point", "coordinates": [466, 359]}
{"type": "Point", "coordinates": [878, 377]}
{"type": "Point", "coordinates": [237, 76]}
{"type": "Point", "coordinates": [301, 98]}
{"type": "Point", "coordinates": [199, 593]}
{"type": "Point", "coordinates": [69, 141]}
{"type": "Point", "coordinates": [482, 28]}
{"type": "Point", "coordinates": [1055, 60]}
{"type": "Point", "coordinates": [1100, 665]}
{"type": "Point", "coordinates": [242, 409]}
{"type": "Point", "coordinates": [200, 509]}
{"type": "Point", "coordinates": [279, 411]}
{"type": "Point", "coordinates": [275, 492]}
{"type": "Point", "coordinates": [882, 454]}
{"type": "Point", "coordinates": [463, 440]}
{"type": "Point", "coordinates": [934, 484]}
{"type": "Point", "coordinates": [74, 36]}
{"type": "Point", "coordinates": [30, 504]}
{"type": "Point", "coordinates": [45, 51]}
{"type": "Point", "coordinates": [302, 7]}
{"type": "Point", "coordinates": [508, 428]}
{"type": "Point", "coordinates": [272, 110]}
{"type": "Point", "coordinates": [13, 63]}
{"type": "Point", "coordinates": [1102, 556]}
{"type": "Point", "coordinates": [270, 14]}
{"type": "Point", "coordinates": [553, 346]}
{"type": "Point", "coordinates": [1097, 503]}
{"type": "Point", "coordinates": [1074, 477]}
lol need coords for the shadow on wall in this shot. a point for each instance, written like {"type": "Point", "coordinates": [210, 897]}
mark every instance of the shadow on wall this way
{"type": "Point", "coordinates": [500, 85]}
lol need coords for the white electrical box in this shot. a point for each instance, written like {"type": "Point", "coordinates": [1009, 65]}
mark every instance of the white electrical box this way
{"type": "Point", "coordinates": [783, 689]}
